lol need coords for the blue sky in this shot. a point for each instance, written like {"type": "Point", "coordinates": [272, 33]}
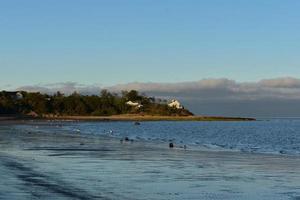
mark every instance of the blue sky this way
{"type": "Point", "coordinates": [120, 41]}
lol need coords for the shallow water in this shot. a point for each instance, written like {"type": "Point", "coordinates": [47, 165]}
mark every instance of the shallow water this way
{"type": "Point", "coordinates": [70, 160]}
{"type": "Point", "coordinates": [264, 136]}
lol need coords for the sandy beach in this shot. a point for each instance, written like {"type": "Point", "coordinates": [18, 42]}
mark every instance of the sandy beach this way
{"type": "Point", "coordinates": [150, 100]}
{"type": "Point", "coordinates": [42, 161]}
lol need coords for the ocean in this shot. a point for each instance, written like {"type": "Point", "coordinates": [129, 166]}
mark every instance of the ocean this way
{"type": "Point", "coordinates": [92, 160]}
{"type": "Point", "coordinates": [275, 136]}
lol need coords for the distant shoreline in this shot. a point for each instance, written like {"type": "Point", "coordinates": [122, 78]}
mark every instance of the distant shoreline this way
{"type": "Point", "coordinates": [128, 118]}
{"type": "Point", "coordinates": [148, 118]}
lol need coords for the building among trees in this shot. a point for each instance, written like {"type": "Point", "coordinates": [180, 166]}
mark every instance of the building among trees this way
{"type": "Point", "coordinates": [175, 104]}
{"type": "Point", "coordinates": [134, 104]}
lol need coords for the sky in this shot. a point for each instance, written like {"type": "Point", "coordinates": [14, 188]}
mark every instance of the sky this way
{"type": "Point", "coordinates": [111, 42]}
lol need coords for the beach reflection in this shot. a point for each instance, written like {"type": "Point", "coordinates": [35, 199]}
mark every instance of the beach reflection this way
{"type": "Point", "coordinates": [58, 165]}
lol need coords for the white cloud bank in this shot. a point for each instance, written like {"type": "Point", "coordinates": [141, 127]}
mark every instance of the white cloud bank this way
{"type": "Point", "coordinates": [214, 89]}
{"type": "Point", "coordinates": [268, 97]}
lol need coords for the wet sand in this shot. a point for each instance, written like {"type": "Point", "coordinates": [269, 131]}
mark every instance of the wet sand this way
{"type": "Point", "coordinates": [37, 163]}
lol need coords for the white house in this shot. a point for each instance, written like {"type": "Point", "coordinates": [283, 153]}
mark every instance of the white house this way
{"type": "Point", "coordinates": [19, 95]}
{"type": "Point", "coordinates": [175, 104]}
{"type": "Point", "coordinates": [15, 95]}
{"type": "Point", "coordinates": [134, 104]}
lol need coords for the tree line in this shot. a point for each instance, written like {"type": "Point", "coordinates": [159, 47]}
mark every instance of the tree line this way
{"type": "Point", "coordinates": [104, 104]}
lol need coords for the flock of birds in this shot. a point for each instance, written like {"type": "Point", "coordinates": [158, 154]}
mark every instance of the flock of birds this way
{"type": "Point", "coordinates": [125, 139]}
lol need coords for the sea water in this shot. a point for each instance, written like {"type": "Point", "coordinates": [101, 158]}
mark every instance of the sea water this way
{"type": "Point", "coordinates": [86, 160]}
{"type": "Point", "coordinates": [276, 136]}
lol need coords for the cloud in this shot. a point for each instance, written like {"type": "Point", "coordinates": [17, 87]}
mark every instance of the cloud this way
{"type": "Point", "coordinates": [214, 89]}
{"type": "Point", "coordinates": [64, 87]}
{"type": "Point", "coordinates": [287, 82]}
{"type": "Point", "coordinates": [268, 97]}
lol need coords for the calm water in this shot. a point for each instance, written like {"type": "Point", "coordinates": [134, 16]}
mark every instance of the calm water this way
{"type": "Point", "coordinates": [72, 160]}
{"type": "Point", "coordinates": [281, 136]}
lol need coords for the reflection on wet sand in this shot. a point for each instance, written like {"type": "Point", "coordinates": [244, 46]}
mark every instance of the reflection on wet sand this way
{"type": "Point", "coordinates": [44, 165]}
